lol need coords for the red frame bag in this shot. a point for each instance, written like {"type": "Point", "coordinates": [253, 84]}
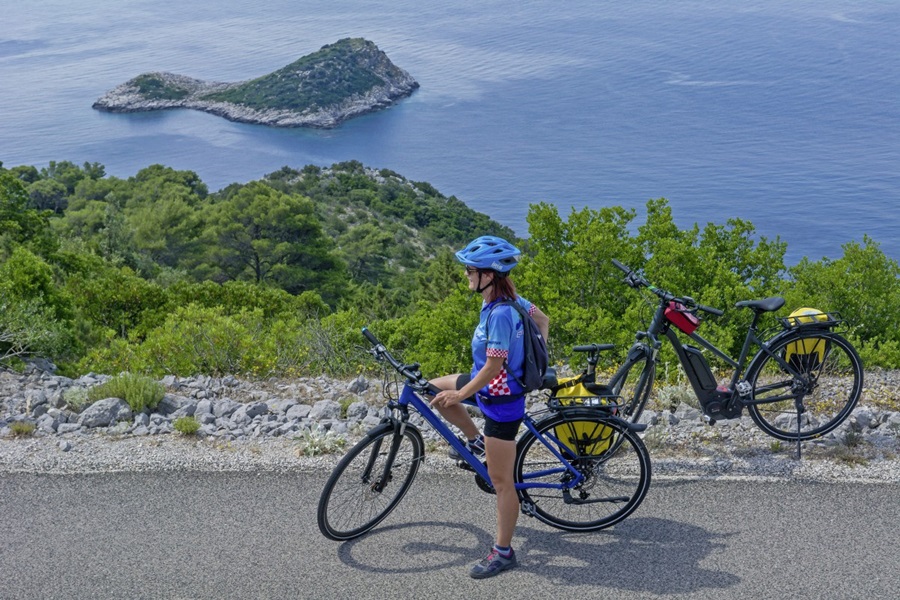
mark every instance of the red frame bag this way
{"type": "Point", "coordinates": [677, 314]}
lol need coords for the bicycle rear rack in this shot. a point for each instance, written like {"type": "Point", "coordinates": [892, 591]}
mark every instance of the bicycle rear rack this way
{"type": "Point", "coordinates": [812, 321]}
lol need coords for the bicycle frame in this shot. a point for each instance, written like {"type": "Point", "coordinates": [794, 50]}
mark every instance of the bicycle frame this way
{"type": "Point", "coordinates": [736, 396]}
{"type": "Point", "coordinates": [409, 397]}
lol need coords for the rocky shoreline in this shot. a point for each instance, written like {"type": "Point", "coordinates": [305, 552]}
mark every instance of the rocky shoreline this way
{"type": "Point", "coordinates": [127, 98]}
{"type": "Point", "coordinates": [307, 424]}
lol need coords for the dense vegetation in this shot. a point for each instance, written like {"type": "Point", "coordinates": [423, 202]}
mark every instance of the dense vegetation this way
{"type": "Point", "coordinates": [336, 72]}
{"type": "Point", "coordinates": [154, 274]}
{"type": "Point", "coordinates": [153, 87]}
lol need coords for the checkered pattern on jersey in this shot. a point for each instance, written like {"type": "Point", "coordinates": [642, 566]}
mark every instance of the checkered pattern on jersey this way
{"type": "Point", "coordinates": [499, 385]}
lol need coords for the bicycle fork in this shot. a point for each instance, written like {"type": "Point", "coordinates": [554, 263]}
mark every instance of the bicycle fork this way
{"type": "Point", "coordinates": [378, 485]}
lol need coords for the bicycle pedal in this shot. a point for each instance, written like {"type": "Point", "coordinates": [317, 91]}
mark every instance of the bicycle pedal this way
{"type": "Point", "coordinates": [464, 466]}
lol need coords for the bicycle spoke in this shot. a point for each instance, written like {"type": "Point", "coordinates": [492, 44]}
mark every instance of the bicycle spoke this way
{"type": "Point", "coordinates": [613, 472]}
{"type": "Point", "coordinates": [361, 492]}
{"type": "Point", "coordinates": [826, 389]}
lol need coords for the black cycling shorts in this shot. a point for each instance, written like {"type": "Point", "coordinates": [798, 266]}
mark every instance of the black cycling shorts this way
{"type": "Point", "coordinates": [502, 430]}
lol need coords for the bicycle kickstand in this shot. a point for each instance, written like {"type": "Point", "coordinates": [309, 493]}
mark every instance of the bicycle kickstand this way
{"type": "Point", "coordinates": [800, 411]}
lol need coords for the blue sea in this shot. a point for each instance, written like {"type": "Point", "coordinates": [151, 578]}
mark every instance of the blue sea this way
{"type": "Point", "coordinates": [781, 112]}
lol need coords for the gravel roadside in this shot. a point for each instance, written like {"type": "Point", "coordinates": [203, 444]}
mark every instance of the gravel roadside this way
{"type": "Point", "coordinates": [864, 448]}
{"type": "Point", "coordinates": [176, 453]}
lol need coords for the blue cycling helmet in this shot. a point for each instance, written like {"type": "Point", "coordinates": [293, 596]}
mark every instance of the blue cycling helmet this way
{"type": "Point", "coordinates": [489, 252]}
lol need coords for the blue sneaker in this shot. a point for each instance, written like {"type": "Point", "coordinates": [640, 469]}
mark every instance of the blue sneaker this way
{"type": "Point", "coordinates": [494, 563]}
{"type": "Point", "coordinates": [476, 447]}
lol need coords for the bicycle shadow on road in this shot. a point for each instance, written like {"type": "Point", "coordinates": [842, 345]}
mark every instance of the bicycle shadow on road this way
{"type": "Point", "coordinates": [430, 546]}
{"type": "Point", "coordinates": [651, 555]}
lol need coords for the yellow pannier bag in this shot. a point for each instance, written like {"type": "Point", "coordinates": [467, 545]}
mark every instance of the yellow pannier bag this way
{"type": "Point", "coordinates": [809, 353]}
{"type": "Point", "coordinates": [581, 437]}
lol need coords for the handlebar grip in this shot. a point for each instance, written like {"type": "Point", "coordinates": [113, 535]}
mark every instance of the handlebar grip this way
{"type": "Point", "coordinates": [624, 269]}
{"type": "Point", "coordinates": [593, 348]}
{"type": "Point", "coordinates": [370, 336]}
{"type": "Point", "coordinates": [711, 310]}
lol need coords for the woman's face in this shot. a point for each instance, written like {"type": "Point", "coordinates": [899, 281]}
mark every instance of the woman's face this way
{"type": "Point", "coordinates": [478, 279]}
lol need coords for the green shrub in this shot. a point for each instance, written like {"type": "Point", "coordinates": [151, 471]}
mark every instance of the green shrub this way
{"type": "Point", "coordinates": [76, 398]}
{"type": "Point", "coordinates": [186, 425]}
{"type": "Point", "coordinates": [204, 340]}
{"type": "Point", "coordinates": [139, 391]}
{"type": "Point", "coordinates": [22, 428]}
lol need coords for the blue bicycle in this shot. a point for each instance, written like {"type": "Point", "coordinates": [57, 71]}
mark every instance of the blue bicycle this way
{"type": "Point", "coordinates": [579, 467]}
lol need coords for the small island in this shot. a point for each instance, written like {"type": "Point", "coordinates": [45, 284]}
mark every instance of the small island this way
{"type": "Point", "coordinates": [342, 80]}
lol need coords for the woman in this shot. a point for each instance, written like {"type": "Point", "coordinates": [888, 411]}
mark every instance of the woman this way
{"type": "Point", "coordinates": [498, 354]}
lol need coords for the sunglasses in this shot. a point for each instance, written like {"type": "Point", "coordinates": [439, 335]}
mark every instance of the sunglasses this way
{"type": "Point", "coordinates": [470, 270]}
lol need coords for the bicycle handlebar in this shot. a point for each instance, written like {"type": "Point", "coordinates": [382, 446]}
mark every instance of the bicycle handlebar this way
{"type": "Point", "coordinates": [635, 280]}
{"type": "Point", "coordinates": [410, 372]}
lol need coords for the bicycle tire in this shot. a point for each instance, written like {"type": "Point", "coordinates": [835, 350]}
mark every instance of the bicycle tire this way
{"type": "Point", "coordinates": [834, 382]}
{"type": "Point", "coordinates": [632, 383]}
{"type": "Point", "coordinates": [353, 501]}
{"type": "Point", "coordinates": [616, 478]}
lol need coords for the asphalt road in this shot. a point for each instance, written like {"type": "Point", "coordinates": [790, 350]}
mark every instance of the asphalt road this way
{"type": "Point", "coordinates": [220, 536]}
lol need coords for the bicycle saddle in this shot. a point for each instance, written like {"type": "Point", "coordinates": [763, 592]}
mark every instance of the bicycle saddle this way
{"type": "Point", "coordinates": [766, 305]}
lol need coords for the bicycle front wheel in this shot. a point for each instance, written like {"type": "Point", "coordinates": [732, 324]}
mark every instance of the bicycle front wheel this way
{"type": "Point", "coordinates": [632, 383]}
{"type": "Point", "coordinates": [612, 459]}
{"type": "Point", "coordinates": [369, 482]}
{"type": "Point", "coordinates": [827, 383]}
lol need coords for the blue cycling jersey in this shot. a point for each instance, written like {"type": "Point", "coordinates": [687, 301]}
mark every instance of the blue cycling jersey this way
{"type": "Point", "coordinates": [504, 325]}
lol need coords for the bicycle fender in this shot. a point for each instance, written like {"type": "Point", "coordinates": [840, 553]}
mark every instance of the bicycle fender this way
{"type": "Point", "coordinates": [638, 350]}
{"type": "Point", "coordinates": [781, 335]}
{"type": "Point", "coordinates": [635, 427]}
{"type": "Point", "coordinates": [387, 424]}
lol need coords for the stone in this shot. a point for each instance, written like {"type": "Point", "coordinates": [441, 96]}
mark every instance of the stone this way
{"type": "Point", "coordinates": [241, 417]}
{"type": "Point", "coordinates": [225, 407]}
{"type": "Point", "coordinates": [256, 409]}
{"type": "Point", "coordinates": [36, 398]}
{"type": "Point", "coordinates": [358, 385]}
{"type": "Point", "coordinates": [298, 411]}
{"type": "Point", "coordinates": [47, 424]}
{"type": "Point", "coordinates": [325, 409]}
{"type": "Point", "coordinates": [105, 412]}
{"type": "Point", "coordinates": [281, 406]}
{"type": "Point", "coordinates": [171, 403]}
{"type": "Point", "coordinates": [357, 410]}
{"type": "Point", "coordinates": [188, 410]}
{"type": "Point", "coordinates": [685, 412]}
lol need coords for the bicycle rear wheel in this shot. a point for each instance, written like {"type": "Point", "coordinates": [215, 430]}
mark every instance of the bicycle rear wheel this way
{"type": "Point", "coordinates": [613, 460]}
{"type": "Point", "coordinates": [364, 488]}
{"type": "Point", "coordinates": [829, 385]}
{"type": "Point", "coordinates": [632, 383]}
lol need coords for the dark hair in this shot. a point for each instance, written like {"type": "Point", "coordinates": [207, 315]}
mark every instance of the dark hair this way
{"type": "Point", "coordinates": [503, 287]}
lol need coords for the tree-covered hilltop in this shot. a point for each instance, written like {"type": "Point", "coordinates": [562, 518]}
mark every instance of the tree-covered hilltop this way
{"type": "Point", "coordinates": [351, 67]}
{"type": "Point", "coordinates": [155, 273]}
{"type": "Point", "coordinates": [341, 80]}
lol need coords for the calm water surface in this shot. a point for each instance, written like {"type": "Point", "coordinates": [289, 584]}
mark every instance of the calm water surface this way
{"type": "Point", "coordinates": [783, 113]}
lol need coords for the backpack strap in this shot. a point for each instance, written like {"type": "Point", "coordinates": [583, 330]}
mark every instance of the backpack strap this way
{"type": "Point", "coordinates": [515, 306]}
